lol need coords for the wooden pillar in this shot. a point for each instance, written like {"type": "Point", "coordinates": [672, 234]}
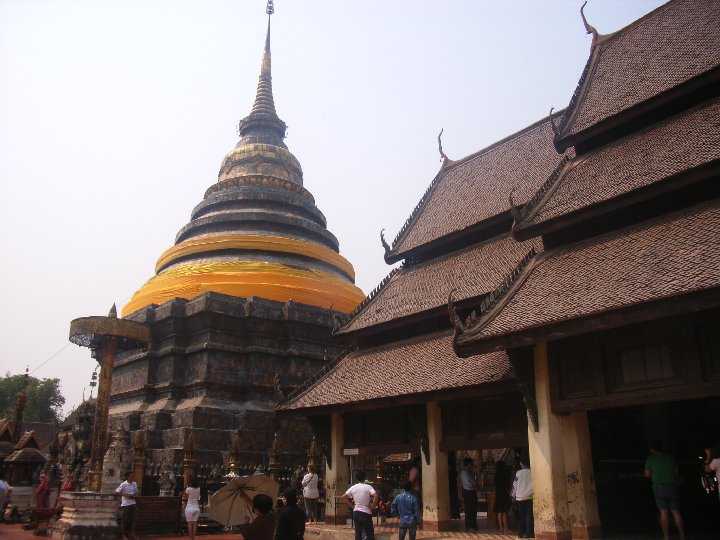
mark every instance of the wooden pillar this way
{"type": "Point", "coordinates": [106, 356]}
{"type": "Point", "coordinates": [435, 480]}
{"type": "Point", "coordinates": [564, 498]}
{"type": "Point", "coordinates": [337, 474]}
{"type": "Point", "coordinates": [581, 490]}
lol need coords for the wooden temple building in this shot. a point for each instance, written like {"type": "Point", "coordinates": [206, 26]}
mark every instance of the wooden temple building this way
{"type": "Point", "coordinates": [241, 309]}
{"type": "Point", "coordinates": [581, 260]}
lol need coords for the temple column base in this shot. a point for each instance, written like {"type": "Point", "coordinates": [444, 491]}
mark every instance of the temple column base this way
{"type": "Point", "coordinates": [87, 515]}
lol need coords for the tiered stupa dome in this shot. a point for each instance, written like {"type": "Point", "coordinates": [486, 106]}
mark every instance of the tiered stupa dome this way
{"type": "Point", "coordinates": [257, 231]}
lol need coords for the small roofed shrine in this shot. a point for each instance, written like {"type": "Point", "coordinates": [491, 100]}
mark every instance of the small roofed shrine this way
{"type": "Point", "coordinates": [241, 309]}
{"type": "Point", "coordinates": [579, 260]}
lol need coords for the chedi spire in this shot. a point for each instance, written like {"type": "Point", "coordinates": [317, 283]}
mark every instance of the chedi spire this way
{"type": "Point", "coordinates": [257, 231]}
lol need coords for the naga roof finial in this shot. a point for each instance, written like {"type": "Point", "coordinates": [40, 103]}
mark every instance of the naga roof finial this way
{"type": "Point", "coordinates": [513, 207]}
{"type": "Point", "coordinates": [384, 243]}
{"type": "Point", "coordinates": [556, 130]}
{"type": "Point", "coordinates": [590, 29]}
{"type": "Point", "coordinates": [443, 157]}
{"type": "Point", "coordinates": [454, 317]}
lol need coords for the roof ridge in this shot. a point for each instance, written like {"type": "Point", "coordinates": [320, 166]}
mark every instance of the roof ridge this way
{"type": "Point", "coordinates": [444, 169]}
{"type": "Point", "coordinates": [307, 383]}
{"type": "Point", "coordinates": [482, 315]}
{"type": "Point", "coordinates": [539, 198]}
{"type": "Point", "coordinates": [370, 297]}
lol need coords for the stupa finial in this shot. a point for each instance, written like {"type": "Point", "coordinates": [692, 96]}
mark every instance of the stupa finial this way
{"type": "Point", "coordinates": [263, 114]}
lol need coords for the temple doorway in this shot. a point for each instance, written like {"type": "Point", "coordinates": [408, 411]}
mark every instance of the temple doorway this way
{"type": "Point", "coordinates": [620, 439]}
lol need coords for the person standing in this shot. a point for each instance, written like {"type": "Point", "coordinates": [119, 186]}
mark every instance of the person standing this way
{"type": "Point", "coordinates": [42, 493]}
{"type": "Point", "coordinates": [712, 463]}
{"type": "Point", "coordinates": [291, 520]}
{"type": "Point", "coordinates": [662, 469]}
{"type": "Point", "coordinates": [311, 493]}
{"type": "Point", "coordinates": [522, 493]}
{"type": "Point", "coordinates": [502, 494]}
{"type": "Point", "coordinates": [469, 494]}
{"type": "Point", "coordinates": [192, 506]}
{"type": "Point", "coordinates": [5, 491]}
{"type": "Point", "coordinates": [362, 499]}
{"type": "Point", "coordinates": [128, 490]}
{"type": "Point", "coordinates": [406, 506]}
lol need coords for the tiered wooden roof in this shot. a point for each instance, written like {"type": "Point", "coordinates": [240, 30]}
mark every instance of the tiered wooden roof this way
{"type": "Point", "coordinates": [628, 276]}
{"type": "Point", "coordinates": [647, 163]}
{"type": "Point", "coordinates": [423, 367]}
{"type": "Point", "coordinates": [643, 124]}
{"type": "Point", "coordinates": [666, 54]}
{"type": "Point", "coordinates": [468, 194]}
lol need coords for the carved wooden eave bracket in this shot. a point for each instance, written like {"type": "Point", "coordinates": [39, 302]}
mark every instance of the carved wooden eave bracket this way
{"type": "Point", "coordinates": [523, 368]}
{"type": "Point", "coordinates": [555, 128]}
{"type": "Point", "coordinates": [514, 210]}
{"type": "Point", "coordinates": [418, 423]}
{"type": "Point", "coordinates": [454, 317]}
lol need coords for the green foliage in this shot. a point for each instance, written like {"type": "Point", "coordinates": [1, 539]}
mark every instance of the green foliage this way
{"type": "Point", "coordinates": [44, 400]}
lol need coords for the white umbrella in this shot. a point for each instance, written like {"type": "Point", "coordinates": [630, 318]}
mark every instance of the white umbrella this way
{"type": "Point", "coordinates": [232, 503]}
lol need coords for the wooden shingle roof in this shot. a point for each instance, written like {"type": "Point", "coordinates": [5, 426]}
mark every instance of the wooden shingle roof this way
{"type": "Point", "coordinates": [473, 272]}
{"type": "Point", "coordinates": [413, 367]}
{"type": "Point", "coordinates": [682, 145]}
{"type": "Point", "coordinates": [468, 192]}
{"type": "Point", "coordinates": [645, 268]}
{"type": "Point", "coordinates": [661, 51]}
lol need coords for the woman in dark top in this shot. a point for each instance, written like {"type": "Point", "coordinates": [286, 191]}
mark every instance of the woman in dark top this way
{"type": "Point", "coordinates": [502, 494]}
{"type": "Point", "coordinates": [291, 520]}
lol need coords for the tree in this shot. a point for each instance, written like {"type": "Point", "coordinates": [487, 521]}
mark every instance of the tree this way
{"type": "Point", "coordinates": [44, 400]}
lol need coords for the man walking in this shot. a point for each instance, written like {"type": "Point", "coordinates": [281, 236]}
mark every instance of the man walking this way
{"type": "Point", "coordinates": [128, 490]}
{"type": "Point", "coordinates": [469, 494]}
{"type": "Point", "coordinates": [362, 499]}
{"type": "Point", "coordinates": [662, 469]}
{"type": "Point", "coordinates": [405, 505]}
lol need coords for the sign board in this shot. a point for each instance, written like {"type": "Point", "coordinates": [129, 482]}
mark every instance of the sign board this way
{"type": "Point", "coordinates": [353, 452]}
{"type": "Point", "coordinates": [158, 514]}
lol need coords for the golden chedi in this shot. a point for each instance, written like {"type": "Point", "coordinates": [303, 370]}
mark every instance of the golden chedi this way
{"type": "Point", "coordinates": [257, 232]}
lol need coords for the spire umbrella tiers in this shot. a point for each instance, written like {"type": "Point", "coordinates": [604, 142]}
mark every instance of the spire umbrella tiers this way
{"type": "Point", "coordinates": [257, 231]}
{"type": "Point", "coordinates": [106, 336]}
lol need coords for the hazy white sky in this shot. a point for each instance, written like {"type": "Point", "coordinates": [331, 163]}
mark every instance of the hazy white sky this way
{"type": "Point", "coordinates": [115, 117]}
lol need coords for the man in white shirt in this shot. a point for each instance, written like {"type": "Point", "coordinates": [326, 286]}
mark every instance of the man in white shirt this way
{"type": "Point", "coordinates": [363, 499]}
{"type": "Point", "coordinates": [128, 490]}
{"type": "Point", "coordinates": [469, 494]}
{"type": "Point", "coordinates": [522, 493]}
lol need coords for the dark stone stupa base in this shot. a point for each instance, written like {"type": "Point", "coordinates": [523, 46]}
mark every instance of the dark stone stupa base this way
{"type": "Point", "coordinates": [216, 366]}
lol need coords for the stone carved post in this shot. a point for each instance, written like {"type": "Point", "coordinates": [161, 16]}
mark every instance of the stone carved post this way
{"type": "Point", "coordinates": [189, 461]}
{"type": "Point", "coordinates": [273, 463]}
{"type": "Point", "coordinates": [105, 336]}
{"type": "Point", "coordinates": [139, 459]}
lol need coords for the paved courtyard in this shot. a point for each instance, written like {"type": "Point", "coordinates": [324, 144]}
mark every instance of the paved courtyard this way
{"type": "Point", "coordinates": [383, 532]}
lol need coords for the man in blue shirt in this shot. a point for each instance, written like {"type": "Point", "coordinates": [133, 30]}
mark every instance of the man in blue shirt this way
{"type": "Point", "coordinates": [406, 506]}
